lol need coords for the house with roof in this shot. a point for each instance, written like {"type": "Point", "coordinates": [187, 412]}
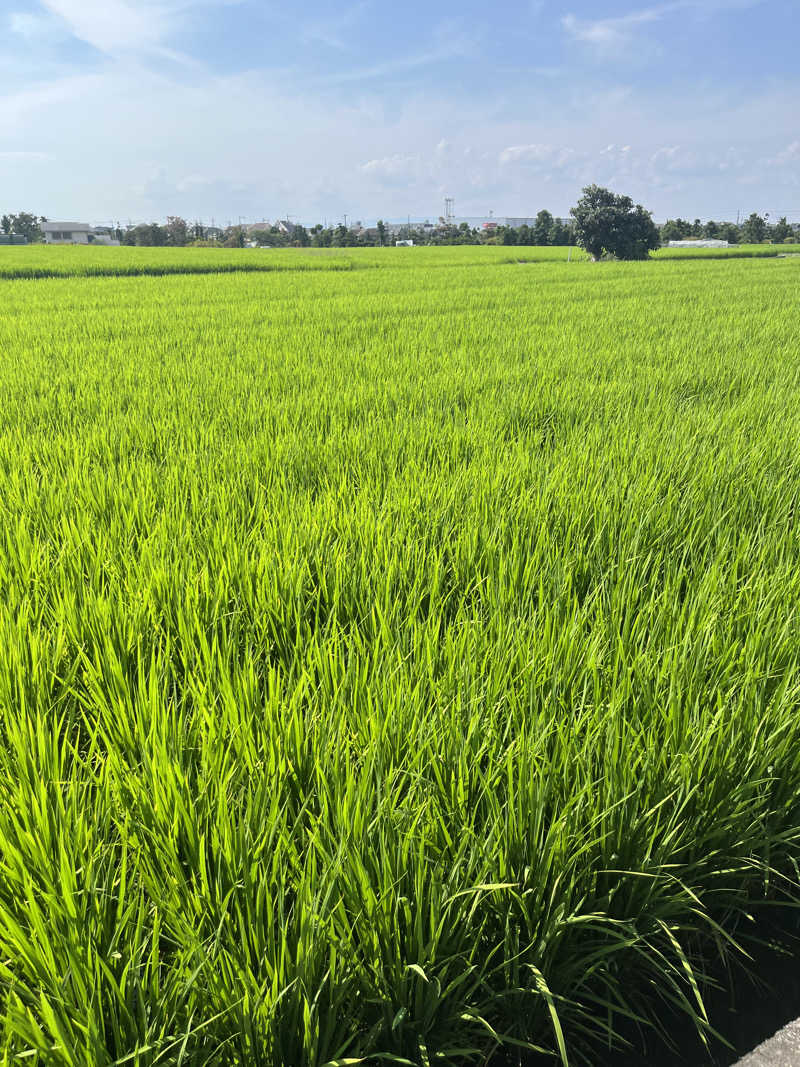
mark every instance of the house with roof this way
{"type": "Point", "coordinates": [77, 233]}
{"type": "Point", "coordinates": [66, 233]}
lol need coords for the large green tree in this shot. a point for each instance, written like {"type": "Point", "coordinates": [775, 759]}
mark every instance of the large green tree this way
{"type": "Point", "coordinates": [607, 223]}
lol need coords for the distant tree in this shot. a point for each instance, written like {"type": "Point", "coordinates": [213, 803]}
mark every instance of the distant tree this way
{"type": "Point", "coordinates": [754, 229]}
{"type": "Point", "coordinates": [25, 224]}
{"type": "Point", "coordinates": [542, 228]}
{"type": "Point", "coordinates": [153, 234]}
{"type": "Point", "coordinates": [676, 230]}
{"type": "Point", "coordinates": [234, 237]}
{"type": "Point", "coordinates": [177, 230]}
{"type": "Point", "coordinates": [508, 235]}
{"type": "Point", "coordinates": [146, 234]}
{"type": "Point", "coordinates": [781, 230]}
{"type": "Point", "coordinates": [729, 232]}
{"type": "Point", "coordinates": [559, 233]}
{"type": "Point", "coordinates": [343, 237]}
{"type": "Point", "coordinates": [320, 237]}
{"type": "Point", "coordinates": [608, 223]}
{"type": "Point", "coordinates": [381, 232]}
{"type": "Point", "coordinates": [524, 235]}
{"type": "Point", "coordinates": [711, 229]}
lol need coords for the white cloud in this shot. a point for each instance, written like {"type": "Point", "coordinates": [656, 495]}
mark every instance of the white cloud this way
{"type": "Point", "coordinates": [527, 153]}
{"type": "Point", "coordinates": [12, 157]}
{"type": "Point", "coordinates": [394, 170]}
{"type": "Point", "coordinates": [114, 25]}
{"type": "Point", "coordinates": [125, 27]}
{"type": "Point", "coordinates": [335, 31]}
{"type": "Point", "coordinates": [457, 47]}
{"type": "Point", "coordinates": [29, 26]}
{"type": "Point", "coordinates": [610, 37]}
{"type": "Point", "coordinates": [787, 156]}
{"type": "Point", "coordinates": [260, 145]}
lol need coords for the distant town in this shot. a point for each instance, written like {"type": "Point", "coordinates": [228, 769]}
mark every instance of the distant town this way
{"type": "Point", "coordinates": [540, 229]}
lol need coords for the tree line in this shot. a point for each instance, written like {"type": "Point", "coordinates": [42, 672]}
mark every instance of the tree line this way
{"type": "Point", "coordinates": [754, 230]}
{"type": "Point", "coordinates": [545, 230]}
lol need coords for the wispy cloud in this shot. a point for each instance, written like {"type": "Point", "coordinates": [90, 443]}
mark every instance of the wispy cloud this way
{"type": "Point", "coordinates": [426, 57]}
{"type": "Point", "coordinates": [31, 26]}
{"type": "Point", "coordinates": [537, 155]}
{"type": "Point", "coordinates": [335, 31]}
{"type": "Point", "coordinates": [113, 25]}
{"type": "Point", "coordinates": [122, 27]}
{"type": "Point", "coordinates": [611, 33]}
{"type": "Point", "coordinates": [376, 117]}
{"type": "Point", "coordinates": [610, 36]}
{"type": "Point", "coordinates": [14, 157]}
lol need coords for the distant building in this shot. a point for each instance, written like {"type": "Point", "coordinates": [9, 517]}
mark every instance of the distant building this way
{"type": "Point", "coordinates": [404, 244]}
{"type": "Point", "coordinates": [102, 235]}
{"type": "Point", "coordinates": [255, 227]}
{"type": "Point", "coordinates": [490, 222]}
{"type": "Point", "coordinates": [705, 242]}
{"type": "Point", "coordinates": [77, 233]}
{"type": "Point", "coordinates": [66, 233]}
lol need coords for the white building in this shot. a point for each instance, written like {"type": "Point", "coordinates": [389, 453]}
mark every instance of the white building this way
{"type": "Point", "coordinates": [77, 233]}
{"type": "Point", "coordinates": [66, 233]}
{"type": "Point", "coordinates": [705, 242]}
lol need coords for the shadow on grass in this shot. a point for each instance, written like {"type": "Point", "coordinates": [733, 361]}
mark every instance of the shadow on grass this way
{"type": "Point", "coordinates": [747, 1002]}
{"type": "Point", "coordinates": [750, 1002]}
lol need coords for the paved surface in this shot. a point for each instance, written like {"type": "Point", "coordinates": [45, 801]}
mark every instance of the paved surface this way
{"type": "Point", "coordinates": [782, 1050]}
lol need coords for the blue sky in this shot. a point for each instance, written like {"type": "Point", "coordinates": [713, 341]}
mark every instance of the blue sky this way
{"type": "Point", "coordinates": [135, 109]}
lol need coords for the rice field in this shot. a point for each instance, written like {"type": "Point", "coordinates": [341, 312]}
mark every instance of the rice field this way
{"type": "Point", "coordinates": [67, 261]}
{"type": "Point", "coordinates": [397, 665]}
{"type": "Point", "coordinates": [72, 261]}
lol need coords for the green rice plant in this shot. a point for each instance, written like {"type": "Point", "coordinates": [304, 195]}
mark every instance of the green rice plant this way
{"type": "Point", "coordinates": [398, 664]}
{"type": "Point", "coordinates": [70, 261]}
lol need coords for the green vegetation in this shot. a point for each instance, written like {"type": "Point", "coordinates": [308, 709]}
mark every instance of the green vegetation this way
{"type": "Point", "coordinates": [69, 261]}
{"type": "Point", "coordinates": [608, 224]}
{"type": "Point", "coordinates": [399, 662]}
{"type": "Point", "coordinates": [733, 252]}
{"type": "Point", "coordinates": [74, 261]}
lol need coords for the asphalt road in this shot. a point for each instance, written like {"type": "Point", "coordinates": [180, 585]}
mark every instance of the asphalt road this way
{"type": "Point", "coordinates": [782, 1050]}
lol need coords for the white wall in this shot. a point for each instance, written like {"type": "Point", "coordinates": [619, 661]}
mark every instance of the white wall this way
{"type": "Point", "coordinates": [77, 237]}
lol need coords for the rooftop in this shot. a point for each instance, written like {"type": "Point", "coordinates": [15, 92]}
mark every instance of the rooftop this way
{"type": "Point", "coordinates": [49, 227]}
